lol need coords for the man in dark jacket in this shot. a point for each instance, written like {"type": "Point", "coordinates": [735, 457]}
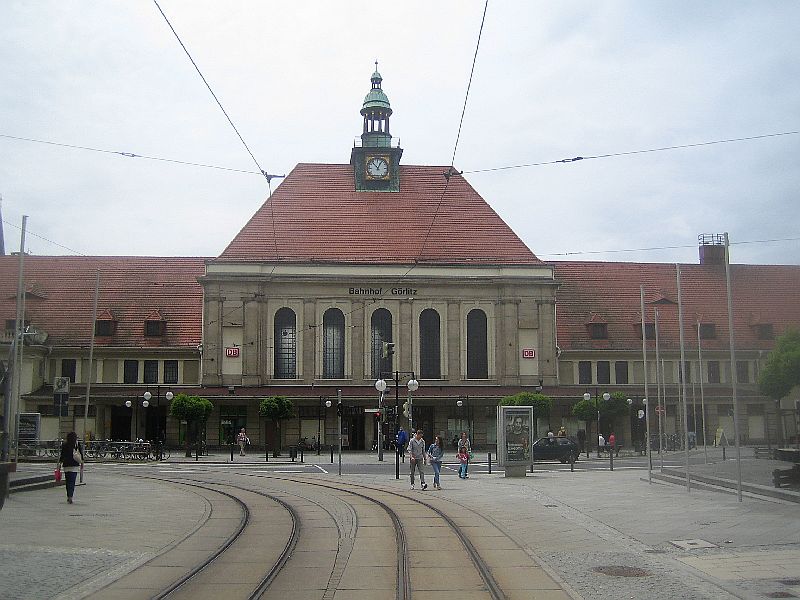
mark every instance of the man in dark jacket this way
{"type": "Point", "coordinates": [402, 440]}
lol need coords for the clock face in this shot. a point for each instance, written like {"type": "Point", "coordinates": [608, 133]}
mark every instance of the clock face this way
{"type": "Point", "coordinates": [377, 167]}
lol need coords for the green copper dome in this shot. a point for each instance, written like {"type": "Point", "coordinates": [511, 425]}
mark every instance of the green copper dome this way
{"type": "Point", "coordinates": [376, 98]}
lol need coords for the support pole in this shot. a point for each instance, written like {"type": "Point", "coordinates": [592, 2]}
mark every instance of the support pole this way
{"type": "Point", "coordinates": [339, 407]}
{"type": "Point", "coordinates": [683, 377]}
{"type": "Point", "coordinates": [733, 371]}
{"type": "Point", "coordinates": [644, 361]}
{"type": "Point", "coordinates": [397, 421]}
{"type": "Point", "coordinates": [702, 397]}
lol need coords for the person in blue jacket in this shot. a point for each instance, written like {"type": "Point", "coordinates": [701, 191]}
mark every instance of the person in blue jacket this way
{"type": "Point", "coordinates": [402, 441]}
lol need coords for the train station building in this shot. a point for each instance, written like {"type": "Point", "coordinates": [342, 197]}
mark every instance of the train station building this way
{"type": "Point", "coordinates": [373, 269]}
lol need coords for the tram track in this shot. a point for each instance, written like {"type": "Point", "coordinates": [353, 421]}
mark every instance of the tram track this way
{"type": "Point", "coordinates": [294, 496]}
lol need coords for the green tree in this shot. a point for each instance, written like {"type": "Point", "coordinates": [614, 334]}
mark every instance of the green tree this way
{"type": "Point", "coordinates": [616, 406]}
{"type": "Point", "coordinates": [782, 370]}
{"type": "Point", "coordinates": [275, 408]}
{"type": "Point", "coordinates": [542, 404]}
{"type": "Point", "coordinates": [194, 410]}
{"type": "Point", "coordinates": [586, 411]}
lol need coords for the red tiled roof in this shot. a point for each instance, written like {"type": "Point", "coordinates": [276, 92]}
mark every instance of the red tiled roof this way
{"type": "Point", "coordinates": [131, 289]}
{"type": "Point", "coordinates": [319, 217]}
{"type": "Point", "coordinates": [761, 294]}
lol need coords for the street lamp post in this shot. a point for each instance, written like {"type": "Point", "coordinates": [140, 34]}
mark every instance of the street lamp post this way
{"type": "Point", "coordinates": [413, 386]}
{"type": "Point", "coordinates": [606, 397]}
{"type": "Point", "coordinates": [319, 422]}
{"type": "Point", "coordinates": [134, 416]}
{"type": "Point", "coordinates": [631, 422]}
{"type": "Point", "coordinates": [147, 396]}
{"type": "Point", "coordinates": [464, 401]}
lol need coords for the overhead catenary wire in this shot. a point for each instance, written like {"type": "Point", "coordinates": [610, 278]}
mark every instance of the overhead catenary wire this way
{"type": "Point", "coordinates": [266, 175]}
{"type": "Point", "coordinates": [632, 152]}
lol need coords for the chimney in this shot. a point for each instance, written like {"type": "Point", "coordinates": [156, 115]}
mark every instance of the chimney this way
{"type": "Point", "coordinates": [712, 248]}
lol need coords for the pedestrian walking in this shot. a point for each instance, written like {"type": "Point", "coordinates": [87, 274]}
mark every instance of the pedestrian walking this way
{"type": "Point", "coordinates": [612, 442]}
{"type": "Point", "coordinates": [463, 458]}
{"type": "Point", "coordinates": [71, 459]}
{"type": "Point", "coordinates": [401, 439]}
{"type": "Point", "coordinates": [601, 443]}
{"type": "Point", "coordinates": [464, 444]}
{"type": "Point", "coordinates": [416, 453]}
{"type": "Point", "coordinates": [435, 454]}
{"type": "Point", "coordinates": [243, 441]}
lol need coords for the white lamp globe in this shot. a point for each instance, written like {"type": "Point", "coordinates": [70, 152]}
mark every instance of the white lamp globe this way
{"type": "Point", "coordinates": [145, 403]}
{"type": "Point", "coordinates": [128, 403]}
{"type": "Point", "coordinates": [459, 403]}
{"type": "Point", "coordinates": [587, 396]}
{"type": "Point", "coordinates": [413, 385]}
{"type": "Point", "coordinates": [630, 401]}
{"type": "Point", "coordinates": [606, 396]}
{"type": "Point", "coordinates": [169, 396]}
{"type": "Point", "coordinates": [147, 396]}
{"type": "Point", "coordinates": [327, 403]}
{"type": "Point", "coordinates": [380, 385]}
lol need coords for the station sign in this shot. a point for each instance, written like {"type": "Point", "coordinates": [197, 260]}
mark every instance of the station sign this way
{"type": "Point", "coordinates": [528, 353]}
{"type": "Point", "coordinates": [232, 352]}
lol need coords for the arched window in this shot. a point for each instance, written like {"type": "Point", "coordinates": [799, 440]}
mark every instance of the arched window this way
{"type": "Point", "coordinates": [285, 344]}
{"type": "Point", "coordinates": [381, 328]}
{"type": "Point", "coordinates": [333, 344]}
{"type": "Point", "coordinates": [429, 345]}
{"type": "Point", "coordinates": [477, 356]}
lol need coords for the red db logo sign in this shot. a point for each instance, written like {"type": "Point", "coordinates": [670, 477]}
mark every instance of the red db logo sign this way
{"type": "Point", "coordinates": [528, 353]}
{"type": "Point", "coordinates": [232, 352]}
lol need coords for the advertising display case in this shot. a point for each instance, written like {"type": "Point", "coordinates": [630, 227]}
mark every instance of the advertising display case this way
{"type": "Point", "coordinates": [514, 438]}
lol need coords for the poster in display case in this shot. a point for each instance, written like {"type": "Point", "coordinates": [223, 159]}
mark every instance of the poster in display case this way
{"type": "Point", "coordinates": [514, 434]}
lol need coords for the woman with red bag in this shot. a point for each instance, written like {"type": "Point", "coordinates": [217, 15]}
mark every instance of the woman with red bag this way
{"type": "Point", "coordinates": [72, 460]}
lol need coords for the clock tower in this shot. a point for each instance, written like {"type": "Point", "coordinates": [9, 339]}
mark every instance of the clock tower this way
{"type": "Point", "coordinates": [375, 160]}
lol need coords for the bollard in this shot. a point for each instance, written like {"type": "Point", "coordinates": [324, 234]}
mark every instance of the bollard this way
{"type": "Point", "coordinates": [302, 454]}
{"type": "Point", "coordinates": [723, 453]}
{"type": "Point", "coordinates": [490, 463]}
{"type": "Point", "coordinates": [572, 464]}
{"type": "Point", "coordinates": [611, 456]}
{"type": "Point", "coordinates": [331, 453]}
{"type": "Point", "coordinates": [231, 452]}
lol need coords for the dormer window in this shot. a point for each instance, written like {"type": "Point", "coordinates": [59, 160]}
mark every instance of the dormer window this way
{"type": "Point", "coordinates": [597, 327]}
{"type": "Point", "coordinates": [154, 328]}
{"type": "Point", "coordinates": [155, 325]}
{"type": "Point", "coordinates": [105, 328]}
{"type": "Point", "coordinates": [598, 331]}
{"type": "Point", "coordinates": [105, 325]}
{"type": "Point", "coordinates": [708, 331]}
{"type": "Point", "coordinates": [765, 331]}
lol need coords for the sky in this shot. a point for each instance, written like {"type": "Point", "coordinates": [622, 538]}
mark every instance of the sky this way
{"type": "Point", "coordinates": [552, 80]}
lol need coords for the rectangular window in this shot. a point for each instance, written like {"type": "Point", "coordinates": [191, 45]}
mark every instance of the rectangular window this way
{"type": "Point", "coordinates": [105, 328]}
{"type": "Point", "coordinates": [621, 371]}
{"type": "Point", "coordinates": [708, 331]}
{"type": "Point", "coordinates": [713, 371]}
{"type": "Point", "coordinates": [584, 371]}
{"type": "Point", "coordinates": [155, 328]}
{"type": "Point", "coordinates": [170, 371]}
{"type": "Point", "coordinates": [649, 330]}
{"type": "Point", "coordinates": [151, 371]}
{"type": "Point", "coordinates": [11, 324]}
{"type": "Point", "coordinates": [755, 410]}
{"type": "Point", "coordinates": [68, 368]}
{"type": "Point", "coordinates": [687, 368]}
{"type": "Point", "coordinates": [130, 371]}
{"type": "Point", "coordinates": [742, 371]}
{"type": "Point", "coordinates": [603, 371]}
{"type": "Point", "coordinates": [598, 331]}
{"type": "Point", "coordinates": [765, 331]}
